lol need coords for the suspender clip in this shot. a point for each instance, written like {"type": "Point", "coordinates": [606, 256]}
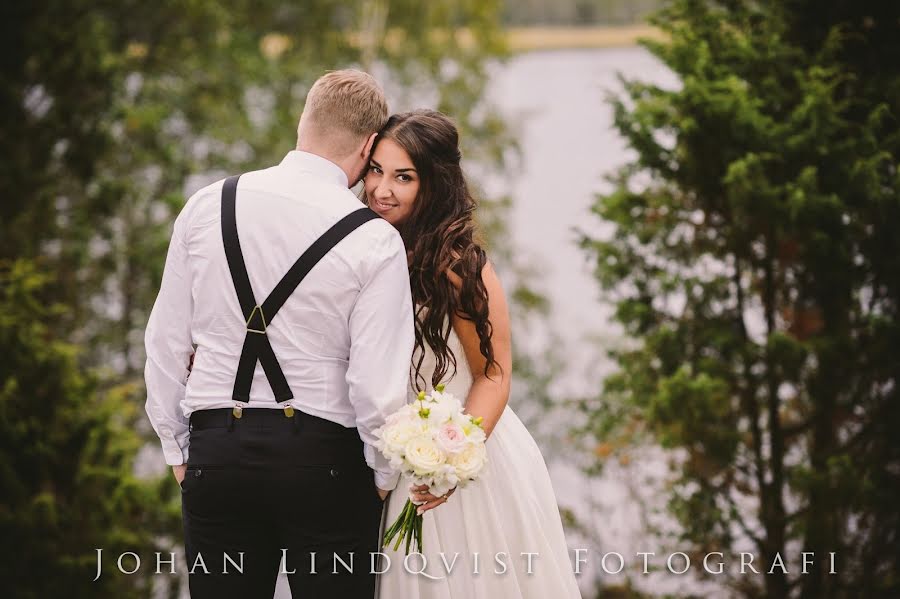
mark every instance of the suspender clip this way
{"type": "Point", "coordinates": [294, 416]}
{"type": "Point", "coordinates": [257, 321]}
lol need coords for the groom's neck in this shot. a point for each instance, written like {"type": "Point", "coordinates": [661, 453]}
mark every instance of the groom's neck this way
{"type": "Point", "coordinates": [346, 164]}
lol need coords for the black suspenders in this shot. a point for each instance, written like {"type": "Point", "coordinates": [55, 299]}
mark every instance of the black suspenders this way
{"type": "Point", "coordinates": [259, 316]}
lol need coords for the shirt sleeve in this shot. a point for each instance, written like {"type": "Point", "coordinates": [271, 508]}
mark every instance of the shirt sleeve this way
{"type": "Point", "coordinates": [169, 347]}
{"type": "Point", "coordinates": [381, 343]}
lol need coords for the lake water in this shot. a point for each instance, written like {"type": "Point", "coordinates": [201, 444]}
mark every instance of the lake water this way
{"type": "Point", "coordinates": [556, 99]}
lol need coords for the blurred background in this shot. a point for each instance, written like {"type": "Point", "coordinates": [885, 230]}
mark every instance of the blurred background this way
{"type": "Point", "coordinates": [692, 204]}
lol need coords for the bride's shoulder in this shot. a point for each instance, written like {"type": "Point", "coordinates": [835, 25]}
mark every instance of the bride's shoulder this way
{"type": "Point", "coordinates": [455, 279]}
{"type": "Point", "coordinates": [488, 276]}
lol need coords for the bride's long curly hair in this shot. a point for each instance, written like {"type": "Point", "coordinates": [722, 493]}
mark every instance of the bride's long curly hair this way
{"type": "Point", "coordinates": [440, 236]}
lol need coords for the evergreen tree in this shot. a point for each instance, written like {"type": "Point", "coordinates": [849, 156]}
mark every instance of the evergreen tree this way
{"type": "Point", "coordinates": [756, 264]}
{"type": "Point", "coordinates": [66, 461]}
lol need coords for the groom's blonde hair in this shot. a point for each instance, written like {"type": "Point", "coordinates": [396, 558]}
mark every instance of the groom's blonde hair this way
{"type": "Point", "coordinates": [343, 108]}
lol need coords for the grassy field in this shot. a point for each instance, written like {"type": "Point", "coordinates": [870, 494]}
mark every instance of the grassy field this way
{"type": "Point", "coordinates": [525, 39]}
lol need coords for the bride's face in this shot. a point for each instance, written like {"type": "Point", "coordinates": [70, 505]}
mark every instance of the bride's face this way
{"type": "Point", "coordinates": [392, 182]}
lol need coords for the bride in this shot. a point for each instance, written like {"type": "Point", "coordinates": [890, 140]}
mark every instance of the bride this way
{"type": "Point", "coordinates": [502, 535]}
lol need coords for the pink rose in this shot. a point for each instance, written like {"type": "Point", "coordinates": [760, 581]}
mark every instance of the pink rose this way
{"type": "Point", "coordinates": [451, 438]}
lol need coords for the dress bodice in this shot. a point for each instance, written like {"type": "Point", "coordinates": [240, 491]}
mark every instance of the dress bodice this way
{"type": "Point", "coordinates": [459, 383]}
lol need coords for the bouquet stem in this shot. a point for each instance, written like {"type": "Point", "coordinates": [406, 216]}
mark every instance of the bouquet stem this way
{"type": "Point", "coordinates": [407, 527]}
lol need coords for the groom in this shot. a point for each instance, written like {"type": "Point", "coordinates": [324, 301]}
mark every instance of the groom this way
{"type": "Point", "coordinates": [294, 301]}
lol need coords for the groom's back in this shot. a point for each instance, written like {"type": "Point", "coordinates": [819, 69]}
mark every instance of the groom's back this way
{"type": "Point", "coordinates": [280, 212]}
{"type": "Point", "coordinates": [335, 338]}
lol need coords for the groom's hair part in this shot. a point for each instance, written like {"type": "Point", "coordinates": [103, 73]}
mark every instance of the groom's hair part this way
{"type": "Point", "coordinates": [343, 109]}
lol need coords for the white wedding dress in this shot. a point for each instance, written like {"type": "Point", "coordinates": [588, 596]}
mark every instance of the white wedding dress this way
{"type": "Point", "coordinates": [510, 510]}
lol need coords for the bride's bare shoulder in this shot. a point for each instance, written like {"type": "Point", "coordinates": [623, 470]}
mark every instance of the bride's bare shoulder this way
{"type": "Point", "coordinates": [488, 276]}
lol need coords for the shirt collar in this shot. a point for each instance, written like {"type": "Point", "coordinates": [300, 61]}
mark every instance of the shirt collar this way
{"type": "Point", "coordinates": [315, 165]}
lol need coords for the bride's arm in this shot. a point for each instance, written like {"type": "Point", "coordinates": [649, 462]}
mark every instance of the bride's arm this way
{"type": "Point", "coordinates": [490, 392]}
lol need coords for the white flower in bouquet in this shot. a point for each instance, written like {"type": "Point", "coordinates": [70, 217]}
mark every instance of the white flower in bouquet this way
{"type": "Point", "coordinates": [435, 443]}
{"type": "Point", "coordinates": [399, 434]}
{"type": "Point", "coordinates": [442, 486]}
{"type": "Point", "coordinates": [469, 462]}
{"type": "Point", "coordinates": [423, 455]}
{"type": "Point", "coordinates": [442, 407]}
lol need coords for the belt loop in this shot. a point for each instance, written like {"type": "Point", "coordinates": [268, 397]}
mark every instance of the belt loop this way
{"type": "Point", "coordinates": [230, 420]}
{"type": "Point", "coordinates": [296, 419]}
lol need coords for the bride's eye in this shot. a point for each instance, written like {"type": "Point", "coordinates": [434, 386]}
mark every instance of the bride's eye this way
{"type": "Point", "coordinates": [374, 169]}
{"type": "Point", "coordinates": [404, 178]}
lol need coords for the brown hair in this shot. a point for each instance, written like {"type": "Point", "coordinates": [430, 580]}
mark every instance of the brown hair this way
{"type": "Point", "coordinates": [343, 108]}
{"type": "Point", "coordinates": [440, 235]}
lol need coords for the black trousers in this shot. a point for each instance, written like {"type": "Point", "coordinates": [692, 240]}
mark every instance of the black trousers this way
{"type": "Point", "coordinates": [267, 492]}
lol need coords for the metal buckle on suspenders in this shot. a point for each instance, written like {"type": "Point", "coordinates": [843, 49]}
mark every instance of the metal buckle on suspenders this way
{"type": "Point", "coordinates": [261, 319]}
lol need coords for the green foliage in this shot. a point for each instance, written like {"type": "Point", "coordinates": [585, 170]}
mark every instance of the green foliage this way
{"type": "Point", "coordinates": [755, 262]}
{"type": "Point", "coordinates": [66, 459]}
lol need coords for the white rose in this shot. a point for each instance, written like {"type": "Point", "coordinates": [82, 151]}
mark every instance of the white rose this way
{"type": "Point", "coordinates": [397, 435]}
{"type": "Point", "coordinates": [423, 455]}
{"type": "Point", "coordinates": [469, 462]}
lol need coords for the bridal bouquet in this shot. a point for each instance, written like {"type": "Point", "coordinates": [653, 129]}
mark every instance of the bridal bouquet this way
{"type": "Point", "coordinates": [433, 442]}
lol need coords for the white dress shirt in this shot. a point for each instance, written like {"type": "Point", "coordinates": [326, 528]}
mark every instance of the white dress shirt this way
{"type": "Point", "coordinates": [343, 339]}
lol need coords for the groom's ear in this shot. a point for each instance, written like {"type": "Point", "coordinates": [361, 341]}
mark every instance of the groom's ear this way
{"type": "Point", "coordinates": [367, 149]}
